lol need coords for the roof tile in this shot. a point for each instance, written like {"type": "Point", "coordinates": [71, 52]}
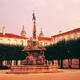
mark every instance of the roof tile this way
{"type": "Point", "coordinates": [11, 35]}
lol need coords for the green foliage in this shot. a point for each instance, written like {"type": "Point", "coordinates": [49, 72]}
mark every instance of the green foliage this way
{"type": "Point", "coordinates": [55, 51]}
{"type": "Point", "coordinates": [8, 52]}
{"type": "Point", "coordinates": [63, 50]}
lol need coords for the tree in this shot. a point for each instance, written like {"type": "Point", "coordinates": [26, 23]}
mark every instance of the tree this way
{"type": "Point", "coordinates": [64, 50]}
{"type": "Point", "coordinates": [56, 51]}
{"type": "Point", "coordinates": [8, 52]}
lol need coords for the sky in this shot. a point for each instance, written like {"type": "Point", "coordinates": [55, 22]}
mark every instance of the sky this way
{"type": "Point", "coordinates": [51, 15]}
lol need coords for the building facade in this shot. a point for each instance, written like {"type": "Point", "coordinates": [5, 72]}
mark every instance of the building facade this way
{"type": "Point", "coordinates": [69, 35]}
{"type": "Point", "coordinates": [12, 39]}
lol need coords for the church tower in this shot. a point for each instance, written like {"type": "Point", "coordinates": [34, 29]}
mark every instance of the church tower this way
{"type": "Point", "coordinates": [23, 32]}
{"type": "Point", "coordinates": [41, 33]}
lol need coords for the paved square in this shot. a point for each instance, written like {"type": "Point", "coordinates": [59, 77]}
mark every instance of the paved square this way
{"type": "Point", "coordinates": [65, 75]}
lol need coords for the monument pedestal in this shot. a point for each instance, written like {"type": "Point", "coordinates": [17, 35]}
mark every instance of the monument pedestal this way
{"type": "Point", "coordinates": [32, 69]}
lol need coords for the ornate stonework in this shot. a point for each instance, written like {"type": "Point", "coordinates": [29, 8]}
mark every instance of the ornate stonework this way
{"type": "Point", "coordinates": [35, 54]}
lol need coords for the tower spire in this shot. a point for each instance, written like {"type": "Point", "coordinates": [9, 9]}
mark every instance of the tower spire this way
{"type": "Point", "coordinates": [41, 33]}
{"type": "Point", "coordinates": [23, 32]}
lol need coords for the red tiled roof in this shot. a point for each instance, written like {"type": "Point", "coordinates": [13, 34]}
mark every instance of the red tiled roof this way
{"type": "Point", "coordinates": [41, 38]}
{"type": "Point", "coordinates": [10, 35]}
{"type": "Point", "coordinates": [44, 38]}
{"type": "Point", "coordinates": [68, 32]}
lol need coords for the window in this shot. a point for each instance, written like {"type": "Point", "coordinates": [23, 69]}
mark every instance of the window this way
{"type": "Point", "coordinates": [40, 44]}
{"type": "Point", "coordinates": [45, 44]}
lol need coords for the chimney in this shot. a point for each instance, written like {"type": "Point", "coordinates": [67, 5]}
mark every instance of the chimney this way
{"type": "Point", "coordinates": [3, 30]}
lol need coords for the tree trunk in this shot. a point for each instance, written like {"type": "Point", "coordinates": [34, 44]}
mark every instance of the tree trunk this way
{"type": "Point", "coordinates": [69, 63]}
{"type": "Point", "coordinates": [61, 63]}
{"type": "Point", "coordinates": [0, 62]}
{"type": "Point", "coordinates": [79, 63]}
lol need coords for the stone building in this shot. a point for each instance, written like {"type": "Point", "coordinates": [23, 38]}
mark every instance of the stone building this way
{"type": "Point", "coordinates": [12, 39]}
{"type": "Point", "coordinates": [69, 35]}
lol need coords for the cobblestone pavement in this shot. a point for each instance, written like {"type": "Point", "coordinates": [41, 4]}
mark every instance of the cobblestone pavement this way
{"type": "Point", "coordinates": [65, 75]}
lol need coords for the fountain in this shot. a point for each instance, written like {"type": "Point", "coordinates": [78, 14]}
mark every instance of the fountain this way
{"type": "Point", "coordinates": [35, 61]}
